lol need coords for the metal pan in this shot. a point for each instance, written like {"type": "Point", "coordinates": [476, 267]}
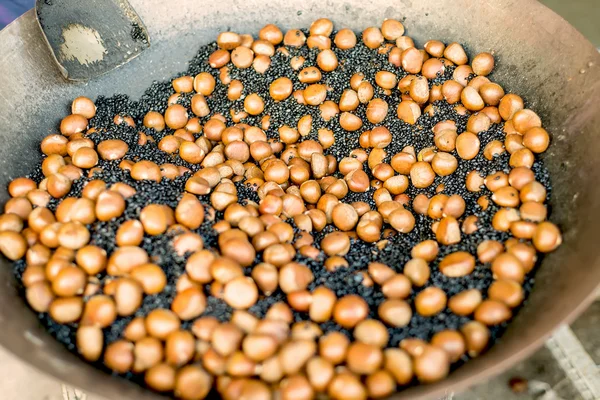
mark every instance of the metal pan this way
{"type": "Point", "coordinates": [540, 56]}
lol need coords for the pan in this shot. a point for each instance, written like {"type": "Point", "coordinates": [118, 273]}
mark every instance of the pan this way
{"type": "Point", "coordinates": [539, 55]}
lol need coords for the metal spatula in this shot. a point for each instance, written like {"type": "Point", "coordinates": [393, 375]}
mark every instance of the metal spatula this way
{"type": "Point", "coordinates": [88, 38]}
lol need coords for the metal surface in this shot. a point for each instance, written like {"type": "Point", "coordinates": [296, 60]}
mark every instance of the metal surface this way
{"type": "Point", "coordinates": [576, 362]}
{"type": "Point", "coordinates": [538, 56]}
{"type": "Point", "coordinates": [90, 38]}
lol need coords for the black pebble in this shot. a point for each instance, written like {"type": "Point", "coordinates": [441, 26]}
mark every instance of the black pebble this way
{"type": "Point", "coordinates": [343, 281]}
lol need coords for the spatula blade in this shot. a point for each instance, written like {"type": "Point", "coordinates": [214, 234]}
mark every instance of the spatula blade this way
{"type": "Point", "coordinates": [89, 38]}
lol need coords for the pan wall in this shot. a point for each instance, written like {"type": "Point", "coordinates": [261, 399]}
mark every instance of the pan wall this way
{"type": "Point", "coordinates": [538, 56]}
